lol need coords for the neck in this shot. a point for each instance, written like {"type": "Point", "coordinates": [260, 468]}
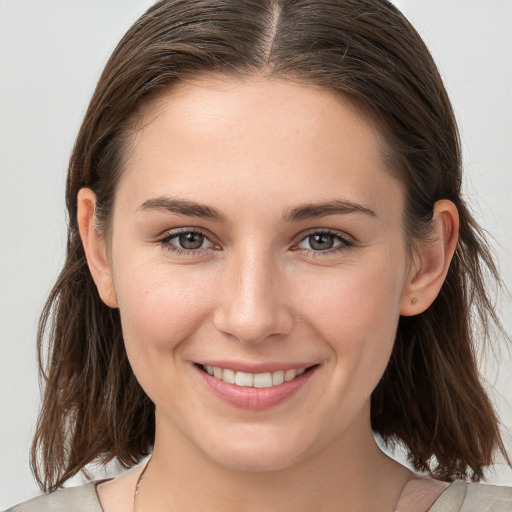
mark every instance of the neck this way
{"type": "Point", "coordinates": [349, 474]}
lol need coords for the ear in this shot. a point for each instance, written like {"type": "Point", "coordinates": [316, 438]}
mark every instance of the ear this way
{"type": "Point", "coordinates": [431, 260]}
{"type": "Point", "coordinates": [95, 247]}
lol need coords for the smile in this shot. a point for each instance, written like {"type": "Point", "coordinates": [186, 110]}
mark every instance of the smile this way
{"type": "Point", "coordinates": [253, 380]}
{"type": "Point", "coordinates": [259, 389]}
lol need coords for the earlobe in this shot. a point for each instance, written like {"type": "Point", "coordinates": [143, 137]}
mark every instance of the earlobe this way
{"type": "Point", "coordinates": [432, 260]}
{"type": "Point", "coordinates": [94, 247]}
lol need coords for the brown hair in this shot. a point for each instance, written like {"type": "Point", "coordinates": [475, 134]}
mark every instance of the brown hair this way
{"type": "Point", "coordinates": [430, 397]}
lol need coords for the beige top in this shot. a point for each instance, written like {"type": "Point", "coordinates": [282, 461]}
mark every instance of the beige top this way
{"type": "Point", "coordinates": [458, 497]}
{"type": "Point", "coordinates": [462, 497]}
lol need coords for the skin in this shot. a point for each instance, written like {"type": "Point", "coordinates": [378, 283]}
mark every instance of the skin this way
{"type": "Point", "coordinates": [257, 291]}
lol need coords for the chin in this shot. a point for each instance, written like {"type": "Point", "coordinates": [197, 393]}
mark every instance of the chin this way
{"type": "Point", "coordinates": [249, 455]}
{"type": "Point", "coordinates": [257, 462]}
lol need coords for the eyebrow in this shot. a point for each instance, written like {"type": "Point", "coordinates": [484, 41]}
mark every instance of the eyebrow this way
{"type": "Point", "coordinates": [182, 207]}
{"type": "Point", "coordinates": [301, 212]}
{"type": "Point", "coordinates": [336, 207]}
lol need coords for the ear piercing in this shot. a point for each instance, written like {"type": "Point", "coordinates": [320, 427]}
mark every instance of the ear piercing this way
{"type": "Point", "coordinates": [414, 300]}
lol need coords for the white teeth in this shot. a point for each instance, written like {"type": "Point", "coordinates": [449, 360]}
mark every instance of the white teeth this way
{"type": "Point", "coordinates": [229, 376]}
{"type": "Point", "coordinates": [256, 380]}
{"type": "Point", "coordinates": [290, 375]}
{"type": "Point", "coordinates": [278, 378]}
{"type": "Point", "coordinates": [244, 379]}
{"type": "Point", "coordinates": [263, 380]}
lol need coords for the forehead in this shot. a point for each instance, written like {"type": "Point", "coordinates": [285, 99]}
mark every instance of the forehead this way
{"type": "Point", "coordinates": [215, 134]}
{"type": "Point", "coordinates": [197, 104]}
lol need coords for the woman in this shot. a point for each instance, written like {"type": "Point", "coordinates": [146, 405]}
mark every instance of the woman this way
{"type": "Point", "coordinates": [269, 260]}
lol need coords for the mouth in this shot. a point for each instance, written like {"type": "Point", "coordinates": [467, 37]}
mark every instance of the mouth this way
{"type": "Point", "coordinates": [253, 380]}
{"type": "Point", "coordinates": [256, 391]}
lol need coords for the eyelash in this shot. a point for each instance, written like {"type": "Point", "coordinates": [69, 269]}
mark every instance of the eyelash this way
{"type": "Point", "coordinates": [166, 242]}
{"type": "Point", "coordinates": [344, 244]}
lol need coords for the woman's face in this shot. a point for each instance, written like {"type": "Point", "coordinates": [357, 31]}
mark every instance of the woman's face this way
{"type": "Point", "coordinates": [255, 232]}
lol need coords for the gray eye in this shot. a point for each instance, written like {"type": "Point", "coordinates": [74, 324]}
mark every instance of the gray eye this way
{"type": "Point", "coordinates": [321, 241]}
{"type": "Point", "coordinates": [190, 240]}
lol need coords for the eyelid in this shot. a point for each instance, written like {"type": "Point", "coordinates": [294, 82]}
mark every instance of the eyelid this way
{"type": "Point", "coordinates": [347, 241]}
{"type": "Point", "coordinates": [165, 240]}
{"type": "Point", "coordinates": [326, 231]}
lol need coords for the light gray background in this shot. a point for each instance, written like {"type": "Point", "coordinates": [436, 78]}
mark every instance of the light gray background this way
{"type": "Point", "coordinates": [51, 54]}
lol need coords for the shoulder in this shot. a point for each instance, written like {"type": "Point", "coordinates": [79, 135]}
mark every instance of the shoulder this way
{"type": "Point", "coordinates": [464, 497]}
{"type": "Point", "coordinates": [492, 498]}
{"type": "Point", "coordinates": [82, 498]}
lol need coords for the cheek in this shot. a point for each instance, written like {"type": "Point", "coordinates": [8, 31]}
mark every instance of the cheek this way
{"type": "Point", "coordinates": [355, 297]}
{"type": "Point", "coordinates": [355, 310]}
{"type": "Point", "coordinates": [160, 305]}
{"type": "Point", "coordinates": [160, 309]}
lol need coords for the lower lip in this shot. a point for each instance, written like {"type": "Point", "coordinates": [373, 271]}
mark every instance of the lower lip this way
{"type": "Point", "coordinates": [255, 398]}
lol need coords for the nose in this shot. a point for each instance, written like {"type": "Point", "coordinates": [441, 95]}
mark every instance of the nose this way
{"type": "Point", "coordinates": [254, 304]}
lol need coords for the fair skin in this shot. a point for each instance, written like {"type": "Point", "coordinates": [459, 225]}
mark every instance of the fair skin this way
{"type": "Point", "coordinates": [255, 229]}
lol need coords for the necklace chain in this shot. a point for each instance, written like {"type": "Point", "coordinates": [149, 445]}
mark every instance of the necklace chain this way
{"type": "Point", "coordinates": [137, 486]}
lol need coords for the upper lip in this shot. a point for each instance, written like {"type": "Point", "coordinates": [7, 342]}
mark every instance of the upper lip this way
{"type": "Point", "coordinates": [251, 367]}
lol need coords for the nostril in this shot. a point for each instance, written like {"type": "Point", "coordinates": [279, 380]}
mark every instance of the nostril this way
{"type": "Point", "coordinates": [254, 325]}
